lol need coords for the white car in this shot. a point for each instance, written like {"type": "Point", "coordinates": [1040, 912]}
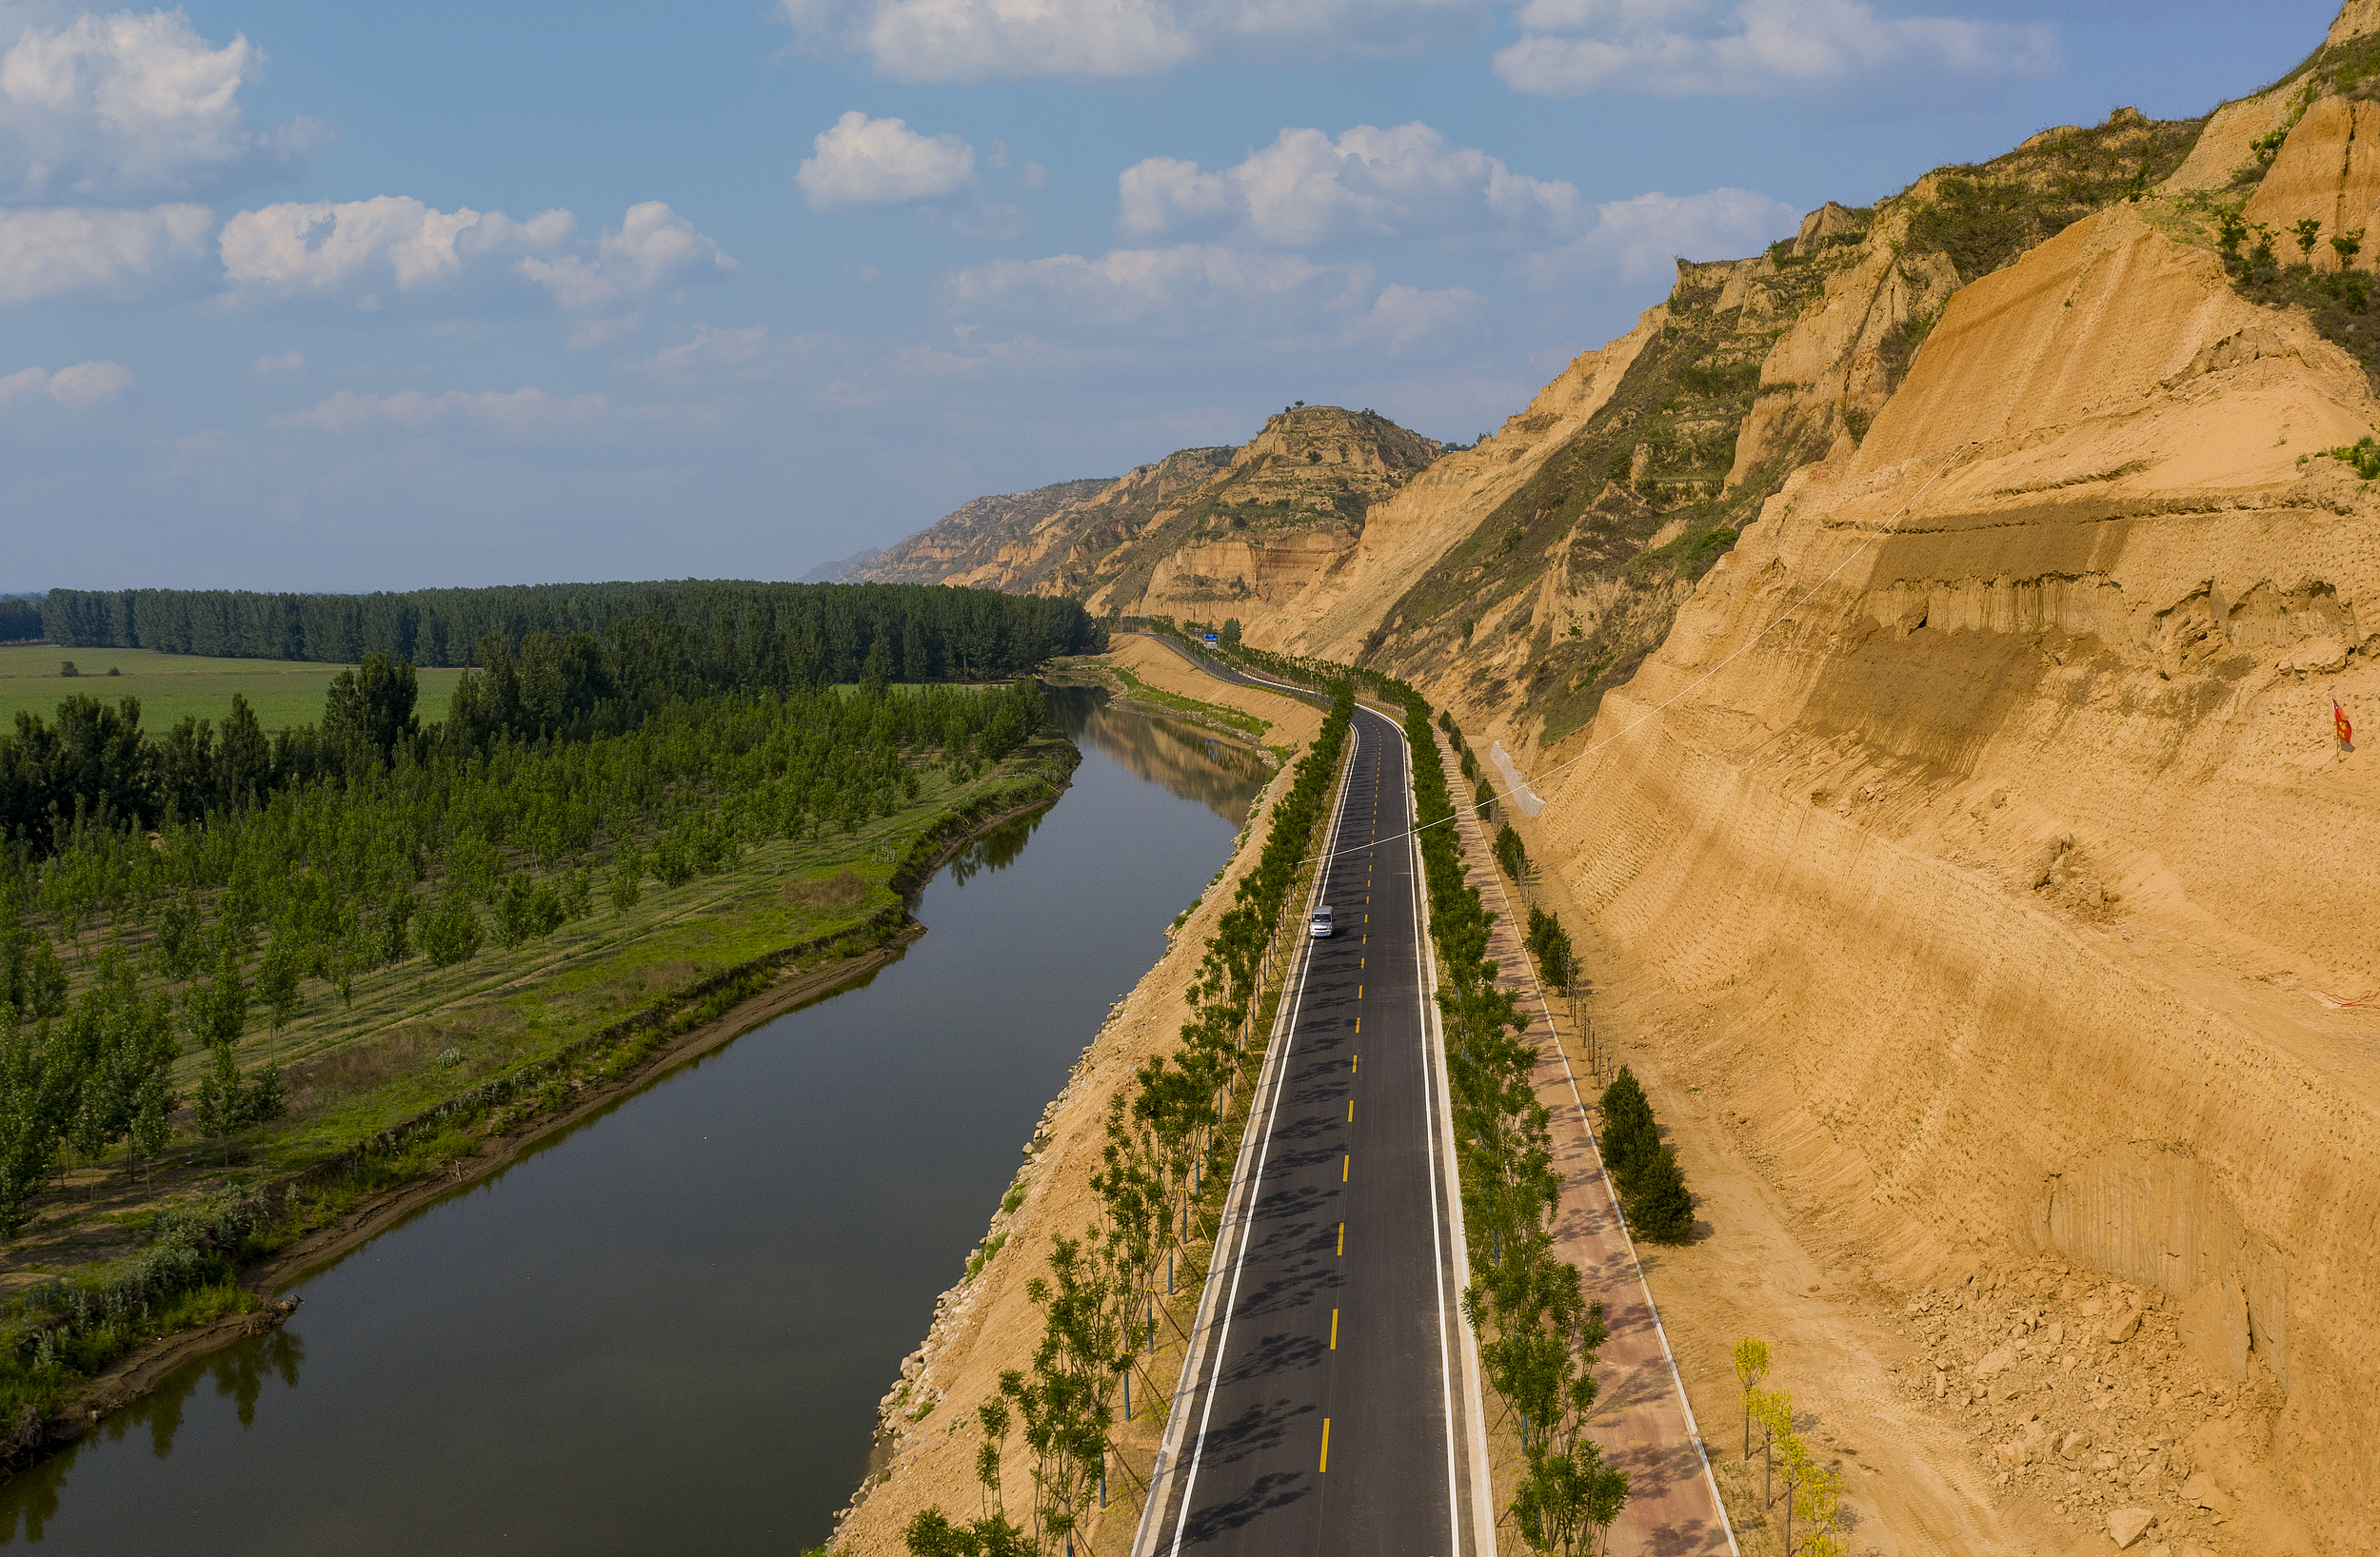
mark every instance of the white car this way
{"type": "Point", "coordinates": [1319, 926]}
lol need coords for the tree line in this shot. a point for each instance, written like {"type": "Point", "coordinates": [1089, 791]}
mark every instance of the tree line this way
{"type": "Point", "coordinates": [20, 619]}
{"type": "Point", "coordinates": [121, 947]}
{"type": "Point", "coordinates": [93, 759]}
{"type": "Point", "coordinates": [1813, 1490]}
{"type": "Point", "coordinates": [1539, 1334]}
{"type": "Point", "coordinates": [748, 633]}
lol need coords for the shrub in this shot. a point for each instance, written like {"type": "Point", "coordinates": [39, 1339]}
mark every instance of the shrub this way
{"type": "Point", "coordinates": [1661, 1209]}
{"type": "Point", "coordinates": [670, 861]}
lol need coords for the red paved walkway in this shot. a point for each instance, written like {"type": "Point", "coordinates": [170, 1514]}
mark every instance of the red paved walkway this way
{"type": "Point", "coordinates": [1645, 1426]}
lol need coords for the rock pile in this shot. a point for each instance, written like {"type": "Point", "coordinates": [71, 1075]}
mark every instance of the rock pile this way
{"type": "Point", "coordinates": [2078, 1394]}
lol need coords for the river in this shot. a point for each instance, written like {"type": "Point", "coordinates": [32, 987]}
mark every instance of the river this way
{"type": "Point", "coordinates": [666, 1330]}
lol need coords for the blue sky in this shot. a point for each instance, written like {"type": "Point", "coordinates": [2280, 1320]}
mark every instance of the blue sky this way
{"type": "Point", "coordinates": [299, 296]}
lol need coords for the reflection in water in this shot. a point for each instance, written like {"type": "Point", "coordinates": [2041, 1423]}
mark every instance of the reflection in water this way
{"type": "Point", "coordinates": [238, 1375]}
{"type": "Point", "coordinates": [668, 1329]}
{"type": "Point", "coordinates": [996, 850]}
{"type": "Point", "coordinates": [1223, 775]}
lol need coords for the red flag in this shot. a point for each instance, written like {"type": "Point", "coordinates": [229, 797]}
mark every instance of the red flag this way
{"type": "Point", "coordinates": [2347, 730]}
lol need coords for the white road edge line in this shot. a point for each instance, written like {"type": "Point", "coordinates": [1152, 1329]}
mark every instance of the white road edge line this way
{"type": "Point", "coordinates": [1445, 1204]}
{"type": "Point", "coordinates": [1433, 1041]}
{"type": "Point", "coordinates": [1693, 1430]}
{"type": "Point", "coordinates": [1279, 1063]}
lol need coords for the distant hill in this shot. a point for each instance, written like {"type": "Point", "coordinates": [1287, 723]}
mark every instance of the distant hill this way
{"type": "Point", "coordinates": [844, 568]}
{"type": "Point", "coordinates": [1202, 526]}
{"type": "Point", "coordinates": [961, 545]}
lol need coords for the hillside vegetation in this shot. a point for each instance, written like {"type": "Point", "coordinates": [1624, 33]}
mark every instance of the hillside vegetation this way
{"type": "Point", "coordinates": [1752, 370]}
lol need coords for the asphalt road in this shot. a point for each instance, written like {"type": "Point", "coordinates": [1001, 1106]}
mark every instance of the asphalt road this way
{"type": "Point", "coordinates": [1329, 1404]}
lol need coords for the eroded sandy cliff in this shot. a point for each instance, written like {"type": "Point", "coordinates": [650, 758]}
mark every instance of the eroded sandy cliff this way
{"type": "Point", "coordinates": [1987, 795]}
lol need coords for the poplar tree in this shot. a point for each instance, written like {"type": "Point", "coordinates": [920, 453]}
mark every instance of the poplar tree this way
{"type": "Point", "coordinates": [1752, 1366]}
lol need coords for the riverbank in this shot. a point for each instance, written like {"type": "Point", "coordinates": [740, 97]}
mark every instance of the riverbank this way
{"type": "Point", "coordinates": [987, 1323]}
{"type": "Point", "coordinates": [313, 1211]}
{"type": "Point", "coordinates": [1146, 672]}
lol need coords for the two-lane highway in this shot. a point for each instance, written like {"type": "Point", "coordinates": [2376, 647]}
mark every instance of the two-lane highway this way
{"type": "Point", "coordinates": [1329, 1400]}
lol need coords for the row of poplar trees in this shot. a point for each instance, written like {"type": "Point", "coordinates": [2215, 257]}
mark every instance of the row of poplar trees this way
{"type": "Point", "coordinates": [1538, 1333]}
{"type": "Point", "coordinates": [1166, 1140]}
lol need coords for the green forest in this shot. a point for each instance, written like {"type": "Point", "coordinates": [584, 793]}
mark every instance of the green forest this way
{"type": "Point", "coordinates": [168, 898]}
{"type": "Point", "coordinates": [94, 759]}
{"type": "Point", "coordinates": [744, 633]}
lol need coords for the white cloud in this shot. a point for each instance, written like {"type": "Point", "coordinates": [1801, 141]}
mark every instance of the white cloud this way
{"type": "Point", "coordinates": [131, 103]}
{"type": "Point", "coordinates": [289, 365]}
{"type": "Point", "coordinates": [710, 349]}
{"type": "Point", "coordinates": [78, 389]}
{"type": "Point", "coordinates": [1306, 189]}
{"type": "Point", "coordinates": [1641, 238]}
{"type": "Point", "coordinates": [517, 413]}
{"type": "Point", "coordinates": [68, 251]}
{"type": "Point", "coordinates": [1206, 289]}
{"type": "Point", "coordinates": [323, 249]}
{"type": "Point", "coordinates": [653, 246]}
{"type": "Point", "coordinates": [362, 252]}
{"type": "Point", "coordinates": [974, 40]}
{"type": "Point", "coordinates": [862, 161]}
{"type": "Point", "coordinates": [1573, 48]}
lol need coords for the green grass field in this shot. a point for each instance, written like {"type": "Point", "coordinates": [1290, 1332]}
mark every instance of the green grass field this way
{"type": "Point", "coordinates": [283, 692]}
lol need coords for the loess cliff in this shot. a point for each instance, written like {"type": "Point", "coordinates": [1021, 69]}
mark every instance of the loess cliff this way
{"type": "Point", "coordinates": [1967, 849]}
{"type": "Point", "coordinates": [1924, 635]}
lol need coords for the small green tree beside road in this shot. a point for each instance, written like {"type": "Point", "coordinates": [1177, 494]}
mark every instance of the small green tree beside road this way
{"type": "Point", "coordinates": [1752, 1366]}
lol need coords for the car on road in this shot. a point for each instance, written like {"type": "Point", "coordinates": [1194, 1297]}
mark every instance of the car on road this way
{"type": "Point", "coordinates": [1319, 926]}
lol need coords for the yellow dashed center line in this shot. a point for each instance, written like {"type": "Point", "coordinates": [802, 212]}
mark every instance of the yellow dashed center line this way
{"type": "Point", "coordinates": [1326, 1447]}
{"type": "Point", "coordinates": [1345, 1158]}
{"type": "Point", "coordinates": [1334, 1329]}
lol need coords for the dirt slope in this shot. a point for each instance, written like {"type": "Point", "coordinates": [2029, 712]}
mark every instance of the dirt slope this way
{"type": "Point", "coordinates": [1982, 823]}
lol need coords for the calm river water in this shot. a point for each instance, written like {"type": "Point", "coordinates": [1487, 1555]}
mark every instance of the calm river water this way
{"type": "Point", "coordinates": [666, 1331]}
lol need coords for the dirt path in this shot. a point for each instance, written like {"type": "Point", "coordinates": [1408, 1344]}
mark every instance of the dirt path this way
{"type": "Point", "coordinates": [1644, 1425]}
